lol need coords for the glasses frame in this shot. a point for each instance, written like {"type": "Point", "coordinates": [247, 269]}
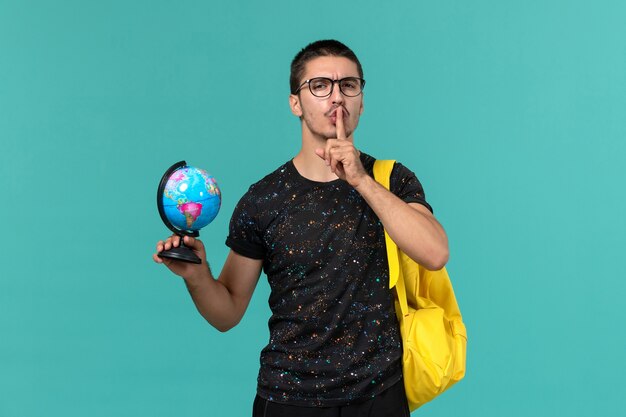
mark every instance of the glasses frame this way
{"type": "Point", "coordinates": [332, 86]}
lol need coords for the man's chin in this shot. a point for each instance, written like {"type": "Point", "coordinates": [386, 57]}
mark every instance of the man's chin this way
{"type": "Point", "coordinates": [333, 134]}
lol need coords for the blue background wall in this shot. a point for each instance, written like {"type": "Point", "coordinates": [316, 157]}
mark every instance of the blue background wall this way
{"type": "Point", "coordinates": [511, 113]}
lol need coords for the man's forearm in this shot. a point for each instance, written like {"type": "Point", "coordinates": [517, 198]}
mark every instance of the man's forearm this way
{"type": "Point", "coordinates": [213, 301]}
{"type": "Point", "coordinates": [417, 233]}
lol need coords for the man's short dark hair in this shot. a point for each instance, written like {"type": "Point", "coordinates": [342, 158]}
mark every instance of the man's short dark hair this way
{"type": "Point", "coordinates": [328, 47]}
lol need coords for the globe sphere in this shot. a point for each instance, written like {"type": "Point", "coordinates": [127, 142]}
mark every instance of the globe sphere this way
{"type": "Point", "coordinates": [191, 199]}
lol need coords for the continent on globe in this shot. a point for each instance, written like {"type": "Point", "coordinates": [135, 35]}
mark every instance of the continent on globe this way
{"type": "Point", "coordinates": [191, 211]}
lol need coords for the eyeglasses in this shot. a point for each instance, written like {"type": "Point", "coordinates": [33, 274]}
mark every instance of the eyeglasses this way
{"type": "Point", "coordinates": [323, 87]}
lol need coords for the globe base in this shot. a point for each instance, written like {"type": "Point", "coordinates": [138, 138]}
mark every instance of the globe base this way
{"type": "Point", "coordinates": [181, 253]}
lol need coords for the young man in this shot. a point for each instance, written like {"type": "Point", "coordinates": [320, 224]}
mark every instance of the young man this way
{"type": "Point", "coordinates": [315, 227]}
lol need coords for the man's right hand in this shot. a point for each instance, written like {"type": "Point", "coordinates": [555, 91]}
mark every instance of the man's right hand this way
{"type": "Point", "coordinates": [221, 302]}
{"type": "Point", "coordinates": [189, 271]}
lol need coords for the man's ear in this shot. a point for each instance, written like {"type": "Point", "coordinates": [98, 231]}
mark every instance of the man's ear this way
{"type": "Point", "coordinates": [361, 109]}
{"type": "Point", "coordinates": [294, 103]}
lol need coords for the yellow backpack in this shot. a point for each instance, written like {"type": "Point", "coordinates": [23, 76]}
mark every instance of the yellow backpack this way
{"type": "Point", "coordinates": [434, 338]}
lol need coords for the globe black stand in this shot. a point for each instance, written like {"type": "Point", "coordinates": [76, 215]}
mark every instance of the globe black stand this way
{"type": "Point", "coordinates": [182, 252]}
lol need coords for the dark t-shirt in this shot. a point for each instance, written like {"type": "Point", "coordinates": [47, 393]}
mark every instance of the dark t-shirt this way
{"type": "Point", "coordinates": [334, 337]}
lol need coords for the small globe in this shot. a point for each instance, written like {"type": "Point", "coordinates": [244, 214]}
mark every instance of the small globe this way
{"type": "Point", "coordinates": [191, 199]}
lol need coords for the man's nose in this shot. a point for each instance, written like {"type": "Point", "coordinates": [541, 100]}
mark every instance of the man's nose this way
{"type": "Point", "coordinates": [337, 95]}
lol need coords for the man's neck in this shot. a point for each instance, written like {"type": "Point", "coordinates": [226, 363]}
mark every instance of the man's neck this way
{"type": "Point", "coordinates": [311, 166]}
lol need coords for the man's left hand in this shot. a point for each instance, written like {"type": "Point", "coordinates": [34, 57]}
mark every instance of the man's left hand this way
{"type": "Point", "coordinates": [341, 155]}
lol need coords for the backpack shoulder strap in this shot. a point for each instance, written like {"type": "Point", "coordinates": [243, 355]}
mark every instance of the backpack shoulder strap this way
{"type": "Point", "coordinates": [382, 173]}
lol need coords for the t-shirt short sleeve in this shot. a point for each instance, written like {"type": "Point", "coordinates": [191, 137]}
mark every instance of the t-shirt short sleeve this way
{"type": "Point", "coordinates": [407, 187]}
{"type": "Point", "coordinates": [244, 236]}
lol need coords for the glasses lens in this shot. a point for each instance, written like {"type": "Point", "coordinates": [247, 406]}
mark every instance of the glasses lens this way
{"type": "Point", "coordinates": [320, 87]}
{"type": "Point", "coordinates": [350, 86]}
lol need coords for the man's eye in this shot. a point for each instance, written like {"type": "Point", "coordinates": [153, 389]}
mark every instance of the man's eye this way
{"type": "Point", "coordinates": [319, 85]}
{"type": "Point", "coordinates": [350, 84]}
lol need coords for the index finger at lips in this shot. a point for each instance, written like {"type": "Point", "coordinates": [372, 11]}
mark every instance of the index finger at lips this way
{"type": "Point", "coordinates": [341, 131]}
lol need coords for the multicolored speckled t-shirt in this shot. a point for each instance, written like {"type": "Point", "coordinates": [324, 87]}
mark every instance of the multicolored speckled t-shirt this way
{"type": "Point", "coordinates": [334, 337]}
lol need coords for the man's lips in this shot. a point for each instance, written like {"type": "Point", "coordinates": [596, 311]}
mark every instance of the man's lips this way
{"type": "Point", "coordinates": [333, 114]}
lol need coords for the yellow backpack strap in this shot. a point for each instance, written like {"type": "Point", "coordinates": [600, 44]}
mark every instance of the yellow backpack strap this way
{"type": "Point", "coordinates": [382, 173]}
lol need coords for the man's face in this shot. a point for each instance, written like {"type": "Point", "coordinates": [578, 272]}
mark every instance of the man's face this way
{"type": "Point", "coordinates": [318, 113]}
